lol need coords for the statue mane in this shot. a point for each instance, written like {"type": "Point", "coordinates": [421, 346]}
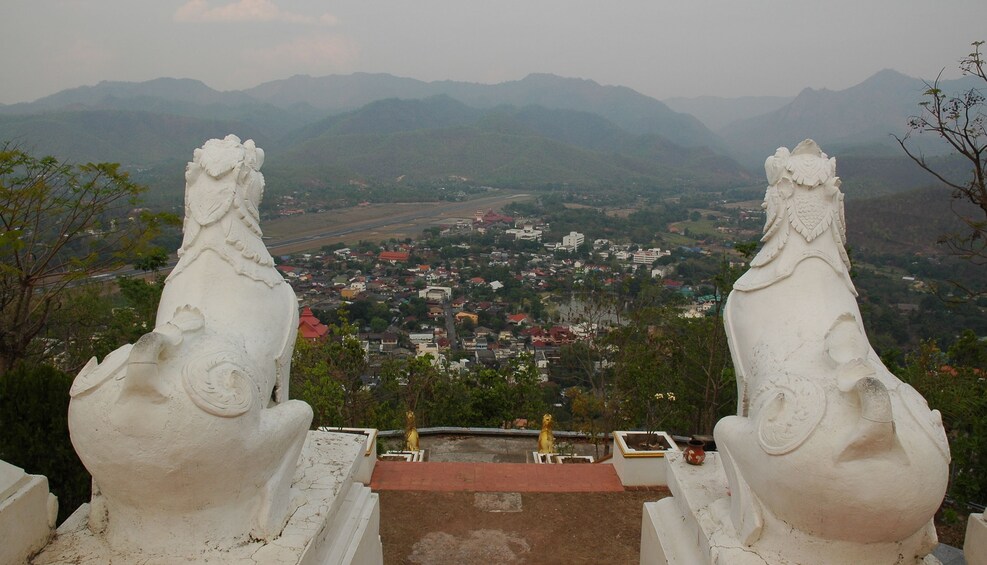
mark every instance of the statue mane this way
{"type": "Point", "coordinates": [223, 190]}
{"type": "Point", "coordinates": [804, 197]}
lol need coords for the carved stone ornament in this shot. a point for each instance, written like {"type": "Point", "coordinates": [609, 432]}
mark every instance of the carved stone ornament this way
{"type": "Point", "coordinates": [188, 433]}
{"type": "Point", "coordinates": [829, 452]}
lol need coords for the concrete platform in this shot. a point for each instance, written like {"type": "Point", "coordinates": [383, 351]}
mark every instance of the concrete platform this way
{"type": "Point", "coordinates": [693, 527]}
{"type": "Point", "coordinates": [336, 523]}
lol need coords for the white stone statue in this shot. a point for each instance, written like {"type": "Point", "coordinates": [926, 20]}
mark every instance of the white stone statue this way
{"type": "Point", "coordinates": [830, 458]}
{"type": "Point", "coordinates": [189, 434]}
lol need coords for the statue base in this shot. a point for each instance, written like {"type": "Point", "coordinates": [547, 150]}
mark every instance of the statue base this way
{"type": "Point", "coordinates": [27, 513]}
{"type": "Point", "coordinates": [975, 546]}
{"type": "Point", "coordinates": [692, 527]}
{"type": "Point", "coordinates": [337, 520]}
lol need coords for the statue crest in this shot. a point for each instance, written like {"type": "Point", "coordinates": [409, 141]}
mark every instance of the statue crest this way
{"type": "Point", "coordinates": [225, 187]}
{"type": "Point", "coordinates": [803, 197]}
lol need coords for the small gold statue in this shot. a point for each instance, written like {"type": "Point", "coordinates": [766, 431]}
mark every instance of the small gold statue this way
{"type": "Point", "coordinates": [410, 432]}
{"type": "Point", "coordinates": [546, 441]}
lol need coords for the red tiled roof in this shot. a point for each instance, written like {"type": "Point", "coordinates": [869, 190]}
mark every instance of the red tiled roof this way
{"type": "Point", "coordinates": [309, 326]}
{"type": "Point", "coordinates": [393, 256]}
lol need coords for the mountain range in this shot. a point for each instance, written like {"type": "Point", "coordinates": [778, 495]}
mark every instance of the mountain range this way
{"type": "Point", "coordinates": [538, 131]}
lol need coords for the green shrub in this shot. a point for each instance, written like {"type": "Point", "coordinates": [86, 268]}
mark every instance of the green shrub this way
{"type": "Point", "coordinates": [34, 432]}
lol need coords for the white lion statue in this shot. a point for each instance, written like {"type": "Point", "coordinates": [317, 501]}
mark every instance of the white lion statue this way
{"type": "Point", "coordinates": [828, 451]}
{"type": "Point", "coordinates": [189, 433]}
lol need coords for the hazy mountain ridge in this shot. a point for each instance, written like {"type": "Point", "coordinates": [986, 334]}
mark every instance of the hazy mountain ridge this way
{"type": "Point", "coordinates": [853, 120]}
{"type": "Point", "coordinates": [415, 139]}
{"type": "Point", "coordinates": [717, 112]}
{"type": "Point", "coordinates": [439, 137]}
{"type": "Point", "coordinates": [609, 134]}
{"type": "Point", "coordinates": [135, 139]}
{"type": "Point", "coordinates": [335, 94]}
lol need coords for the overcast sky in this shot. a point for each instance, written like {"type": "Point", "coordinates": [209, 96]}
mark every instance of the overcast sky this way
{"type": "Point", "coordinates": [662, 48]}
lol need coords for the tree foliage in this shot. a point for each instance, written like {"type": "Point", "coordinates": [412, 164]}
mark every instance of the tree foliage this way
{"type": "Point", "coordinates": [60, 224]}
{"type": "Point", "coordinates": [953, 382]}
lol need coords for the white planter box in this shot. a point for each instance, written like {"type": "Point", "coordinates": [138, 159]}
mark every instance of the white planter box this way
{"type": "Point", "coordinates": [639, 467]}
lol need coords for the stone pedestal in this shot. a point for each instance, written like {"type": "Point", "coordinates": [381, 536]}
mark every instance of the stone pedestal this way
{"type": "Point", "coordinates": [640, 468]}
{"type": "Point", "coordinates": [27, 514]}
{"type": "Point", "coordinates": [337, 520]}
{"type": "Point", "coordinates": [366, 470]}
{"type": "Point", "coordinates": [692, 527]}
{"type": "Point", "coordinates": [975, 546]}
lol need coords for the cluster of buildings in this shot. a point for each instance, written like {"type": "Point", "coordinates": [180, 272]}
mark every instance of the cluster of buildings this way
{"type": "Point", "coordinates": [461, 305]}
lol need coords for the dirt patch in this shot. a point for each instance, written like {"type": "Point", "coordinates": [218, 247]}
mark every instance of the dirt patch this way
{"type": "Point", "coordinates": [498, 501]}
{"type": "Point", "coordinates": [375, 222]}
{"type": "Point", "coordinates": [951, 526]}
{"type": "Point", "coordinates": [480, 546]}
{"type": "Point", "coordinates": [438, 528]}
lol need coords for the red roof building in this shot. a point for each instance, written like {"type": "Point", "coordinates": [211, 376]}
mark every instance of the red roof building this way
{"type": "Point", "coordinates": [394, 256]}
{"type": "Point", "coordinates": [517, 318]}
{"type": "Point", "coordinates": [309, 326]}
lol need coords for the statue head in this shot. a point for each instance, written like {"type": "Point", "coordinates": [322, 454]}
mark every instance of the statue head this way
{"type": "Point", "coordinates": [223, 172]}
{"type": "Point", "coordinates": [223, 191]}
{"type": "Point", "coordinates": [804, 215]}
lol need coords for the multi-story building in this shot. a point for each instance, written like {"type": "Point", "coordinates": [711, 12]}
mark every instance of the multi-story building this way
{"type": "Point", "coordinates": [573, 240]}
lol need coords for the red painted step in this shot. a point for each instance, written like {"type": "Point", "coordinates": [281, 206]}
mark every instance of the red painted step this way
{"type": "Point", "coordinates": [494, 477]}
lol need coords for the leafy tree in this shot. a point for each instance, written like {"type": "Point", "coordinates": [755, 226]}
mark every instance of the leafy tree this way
{"type": "Point", "coordinates": [961, 121]}
{"type": "Point", "coordinates": [34, 406]}
{"type": "Point", "coordinates": [328, 373]}
{"type": "Point", "coordinates": [960, 394]}
{"type": "Point", "coordinates": [60, 224]}
{"type": "Point", "coordinates": [312, 380]}
{"type": "Point", "coordinates": [378, 324]}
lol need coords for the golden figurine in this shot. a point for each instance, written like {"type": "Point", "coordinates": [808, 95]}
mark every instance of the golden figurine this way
{"type": "Point", "coordinates": [410, 432]}
{"type": "Point", "coordinates": [546, 441]}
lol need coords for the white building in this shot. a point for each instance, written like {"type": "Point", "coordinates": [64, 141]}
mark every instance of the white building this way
{"type": "Point", "coordinates": [649, 256]}
{"type": "Point", "coordinates": [527, 233]}
{"type": "Point", "coordinates": [436, 293]}
{"type": "Point", "coordinates": [573, 240]}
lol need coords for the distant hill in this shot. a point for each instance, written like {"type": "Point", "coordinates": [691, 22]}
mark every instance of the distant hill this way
{"type": "Point", "coordinates": [542, 129]}
{"type": "Point", "coordinates": [538, 131]}
{"type": "Point", "coordinates": [176, 90]}
{"type": "Point", "coordinates": [623, 106]}
{"type": "Point", "coordinates": [177, 97]}
{"type": "Point", "coordinates": [135, 139]}
{"type": "Point", "coordinates": [717, 112]}
{"type": "Point", "coordinates": [439, 137]}
{"type": "Point", "coordinates": [905, 223]}
{"type": "Point", "coordinates": [392, 115]}
{"type": "Point", "coordinates": [859, 119]}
